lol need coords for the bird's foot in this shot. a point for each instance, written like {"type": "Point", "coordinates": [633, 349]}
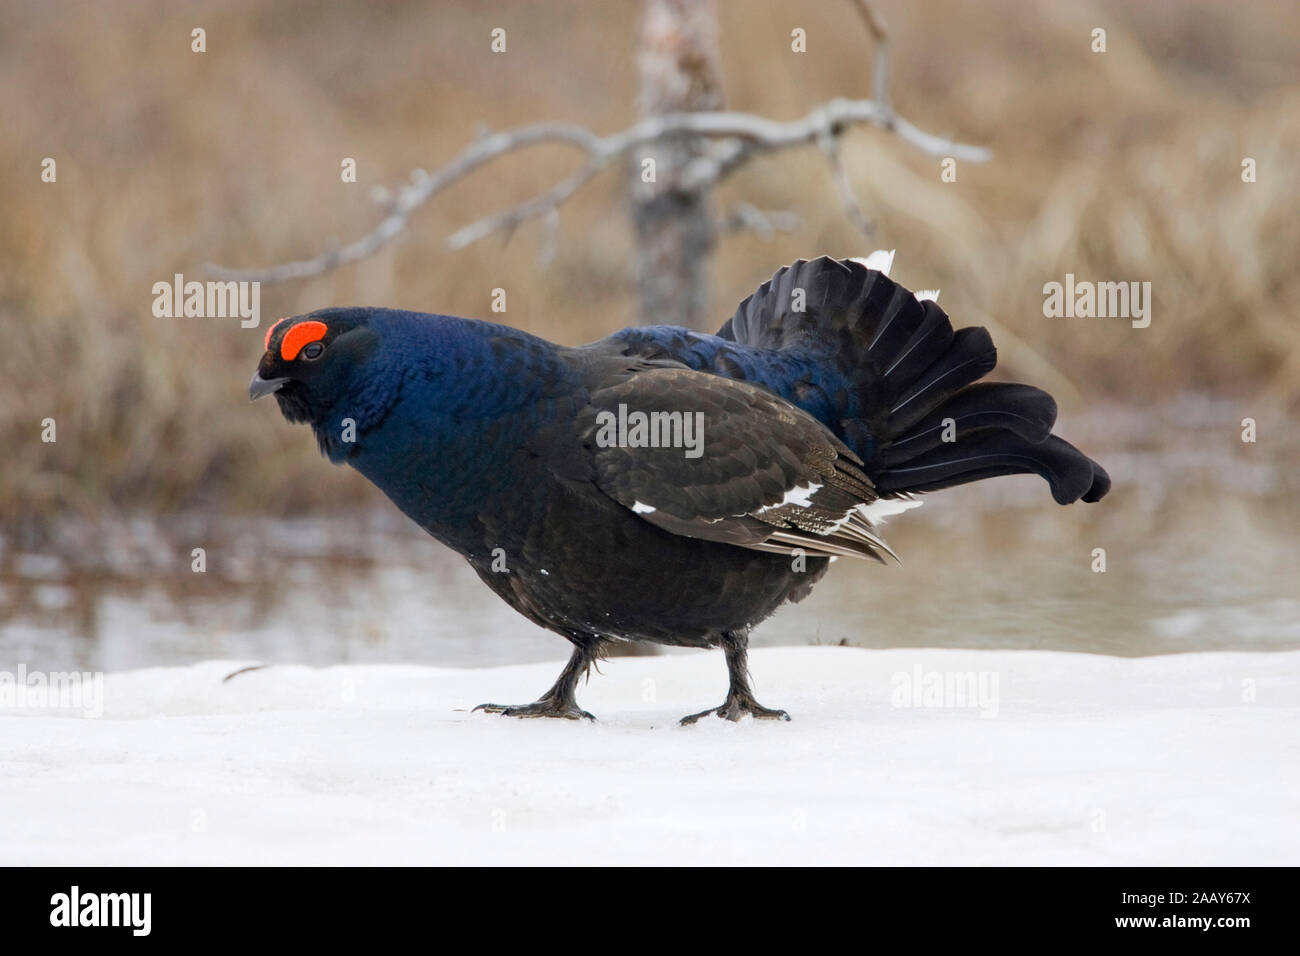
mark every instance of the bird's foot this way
{"type": "Point", "coordinates": [736, 707]}
{"type": "Point", "coordinates": [546, 707]}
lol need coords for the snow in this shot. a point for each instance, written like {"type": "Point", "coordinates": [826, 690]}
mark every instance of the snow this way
{"type": "Point", "coordinates": [1078, 759]}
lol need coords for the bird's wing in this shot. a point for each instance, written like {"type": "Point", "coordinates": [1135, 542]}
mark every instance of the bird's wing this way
{"type": "Point", "coordinates": [713, 458]}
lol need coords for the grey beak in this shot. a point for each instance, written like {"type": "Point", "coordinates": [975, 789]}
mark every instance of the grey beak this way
{"type": "Point", "coordinates": [263, 386]}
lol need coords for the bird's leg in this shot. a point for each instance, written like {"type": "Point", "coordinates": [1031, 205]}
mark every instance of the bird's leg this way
{"type": "Point", "coordinates": [740, 699]}
{"type": "Point", "coordinates": [560, 700]}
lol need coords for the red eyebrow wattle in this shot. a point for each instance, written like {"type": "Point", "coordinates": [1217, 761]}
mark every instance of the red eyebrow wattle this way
{"type": "Point", "coordinates": [270, 331]}
{"type": "Point", "coordinates": [300, 335]}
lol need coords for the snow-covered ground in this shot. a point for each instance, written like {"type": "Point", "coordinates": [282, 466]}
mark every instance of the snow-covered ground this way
{"type": "Point", "coordinates": [1067, 758]}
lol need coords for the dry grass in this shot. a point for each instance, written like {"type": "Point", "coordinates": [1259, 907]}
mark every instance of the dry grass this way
{"type": "Point", "coordinates": [1119, 166]}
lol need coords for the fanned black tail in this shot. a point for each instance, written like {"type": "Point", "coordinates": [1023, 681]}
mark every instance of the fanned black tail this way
{"type": "Point", "coordinates": [912, 409]}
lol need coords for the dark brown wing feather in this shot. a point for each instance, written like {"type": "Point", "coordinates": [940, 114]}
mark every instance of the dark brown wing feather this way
{"type": "Point", "coordinates": [767, 476]}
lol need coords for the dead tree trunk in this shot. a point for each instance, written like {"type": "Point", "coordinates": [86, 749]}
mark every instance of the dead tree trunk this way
{"type": "Point", "coordinates": [675, 229]}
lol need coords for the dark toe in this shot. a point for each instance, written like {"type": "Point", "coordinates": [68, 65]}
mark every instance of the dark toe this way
{"type": "Point", "coordinates": [692, 718]}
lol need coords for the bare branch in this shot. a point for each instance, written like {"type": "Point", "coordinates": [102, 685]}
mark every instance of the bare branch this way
{"type": "Point", "coordinates": [737, 138]}
{"type": "Point", "coordinates": [880, 36]}
{"type": "Point", "coordinates": [848, 198]}
{"type": "Point", "coordinates": [766, 222]}
{"type": "Point", "coordinates": [511, 219]}
{"type": "Point", "coordinates": [415, 194]}
{"type": "Point", "coordinates": [550, 238]}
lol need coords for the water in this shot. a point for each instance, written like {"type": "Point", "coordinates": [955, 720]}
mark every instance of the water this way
{"type": "Point", "coordinates": [1199, 536]}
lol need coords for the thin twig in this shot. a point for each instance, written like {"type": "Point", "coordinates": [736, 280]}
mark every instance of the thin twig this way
{"type": "Point", "coordinates": [766, 222]}
{"type": "Point", "coordinates": [511, 218]}
{"type": "Point", "coordinates": [550, 238]}
{"type": "Point", "coordinates": [880, 36]}
{"type": "Point", "coordinates": [848, 198]}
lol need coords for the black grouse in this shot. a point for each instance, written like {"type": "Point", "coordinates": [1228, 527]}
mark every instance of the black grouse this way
{"type": "Point", "coordinates": [662, 484]}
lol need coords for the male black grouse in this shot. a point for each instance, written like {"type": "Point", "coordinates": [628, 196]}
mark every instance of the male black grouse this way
{"type": "Point", "coordinates": [661, 484]}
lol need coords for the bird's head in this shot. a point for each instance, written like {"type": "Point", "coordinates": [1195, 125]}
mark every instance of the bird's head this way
{"type": "Point", "coordinates": [313, 362]}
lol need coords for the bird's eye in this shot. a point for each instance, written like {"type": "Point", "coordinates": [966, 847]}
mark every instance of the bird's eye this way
{"type": "Point", "coordinates": [312, 351]}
